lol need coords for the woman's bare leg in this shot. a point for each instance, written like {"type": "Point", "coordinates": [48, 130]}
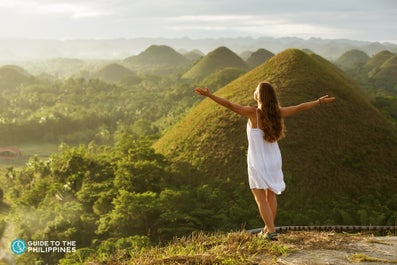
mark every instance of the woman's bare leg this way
{"type": "Point", "coordinates": [272, 200]}
{"type": "Point", "coordinates": [264, 209]}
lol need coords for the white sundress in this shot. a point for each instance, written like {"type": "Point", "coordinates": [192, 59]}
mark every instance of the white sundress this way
{"type": "Point", "coordinates": [264, 161]}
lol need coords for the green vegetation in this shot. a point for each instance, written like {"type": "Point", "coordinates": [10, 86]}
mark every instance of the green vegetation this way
{"type": "Point", "coordinates": [351, 60]}
{"type": "Point", "coordinates": [199, 248]}
{"type": "Point", "coordinates": [79, 110]}
{"type": "Point", "coordinates": [117, 73]}
{"type": "Point", "coordinates": [124, 162]}
{"type": "Point", "coordinates": [377, 75]}
{"type": "Point", "coordinates": [217, 59]}
{"type": "Point", "coordinates": [233, 248]}
{"type": "Point", "coordinates": [324, 156]}
{"type": "Point", "coordinates": [222, 77]}
{"type": "Point", "coordinates": [259, 57]}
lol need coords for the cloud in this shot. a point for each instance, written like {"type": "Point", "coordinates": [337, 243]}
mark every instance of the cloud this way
{"type": "Point", "coordinates": [75, 9]}
{"type": "Point", "coordinates": [250, 25]}
{"type": "Point", "coordinates": [356, 19]}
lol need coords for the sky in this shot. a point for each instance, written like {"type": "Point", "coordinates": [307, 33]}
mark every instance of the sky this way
{"type": "Point", "coordinates": [367, 20]}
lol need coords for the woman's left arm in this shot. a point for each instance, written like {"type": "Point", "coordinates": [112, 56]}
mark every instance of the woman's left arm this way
{"type": "Point", "coordinates": [290, 110]}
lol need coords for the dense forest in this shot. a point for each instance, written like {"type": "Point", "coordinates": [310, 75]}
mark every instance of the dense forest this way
{"type": "Point", "coordinates": [115, 182]}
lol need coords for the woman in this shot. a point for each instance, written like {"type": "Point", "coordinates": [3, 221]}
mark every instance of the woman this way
{"type": "Point", "coordinates": [265, 127]}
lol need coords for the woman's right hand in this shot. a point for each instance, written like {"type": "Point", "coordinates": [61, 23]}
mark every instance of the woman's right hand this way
{"type": "Point", "coordinates": [203, 92]}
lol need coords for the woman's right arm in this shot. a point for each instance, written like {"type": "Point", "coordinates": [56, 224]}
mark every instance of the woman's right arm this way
{"type": "Point", "coordinates": [241, 110]}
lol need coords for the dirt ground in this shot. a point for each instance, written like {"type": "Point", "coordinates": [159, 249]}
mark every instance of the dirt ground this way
{"type": "Point", "coordinates": [332, 248]}
{"type": "Point", "coordinates": [369, 250]}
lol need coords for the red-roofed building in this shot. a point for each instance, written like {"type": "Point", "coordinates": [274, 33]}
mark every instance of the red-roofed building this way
{"type": "Point", "coordinates": [10, 152]}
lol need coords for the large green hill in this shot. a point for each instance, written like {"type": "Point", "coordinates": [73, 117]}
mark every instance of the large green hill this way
{"type": "Point", "coordinates": [218, 59]}
{"type": "Point", "coordinates": [339, 160]}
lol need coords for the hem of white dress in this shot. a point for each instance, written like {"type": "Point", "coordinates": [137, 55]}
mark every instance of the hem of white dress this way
{"type": "Point", "coordinates": [267, 188]}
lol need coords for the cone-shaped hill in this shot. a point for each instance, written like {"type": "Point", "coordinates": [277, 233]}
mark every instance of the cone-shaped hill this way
{"type": "Point", "coordinates": [376, 61]}
{"type": "Point", "coordinates": [333, 155]}
{"type": "Point", "coordinates": [352, 59]}
{"type": "Point", "coordinates": [157, 59]}
{"type": "Point", "coordinates": [259, 57]}
{"type": "Point", "coordinates": [388, 70]}
{"type": "Point", "coordinates": [219, 58]}
{"type": "Point", "coordinates": [115, 73]}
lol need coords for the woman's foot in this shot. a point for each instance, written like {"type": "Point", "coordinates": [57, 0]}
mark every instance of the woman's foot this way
{"type": "Point", "coordinates": [271, 236]}
{"type": "Point", "coordinates": [263, 232]}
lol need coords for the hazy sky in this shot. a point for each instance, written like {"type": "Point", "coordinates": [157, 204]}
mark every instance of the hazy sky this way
{"type": "Point", "coordinates": [371, 20]}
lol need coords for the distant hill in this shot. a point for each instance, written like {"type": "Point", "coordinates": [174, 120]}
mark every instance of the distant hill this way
{"type": "Point", "coordinates": [157, 59]}
{"type": "Point", "coordinates": [13, 75]}
{"type": "Point", "coordinates": [193, 55]}
{"type": "Point", "coordinates": [116, 73]}
{"type": "Point", "coordinates": [259, 57]}
{"type": "Point", "coordinates": [219, 58]}
{"type": "Point", "coordinates": [352, 59]}
{"type": "Point", "coordinates": [339, 160]}
{"type": "Point", "coordinates": [388, 72]}
{"type": "Point", "coordinates": [378, 74]}
{"type": "Point", "coordinates": [373, 64]}
{"type": "Point", "coordinates": [12, 50]}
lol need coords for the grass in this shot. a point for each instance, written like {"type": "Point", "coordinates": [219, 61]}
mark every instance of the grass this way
{"type": "Point", "coordinates": [320, 240]}
{"type": "Point", "coordinates": [201, 248]}
{"type": "Point", "coordinates": [237, 248]}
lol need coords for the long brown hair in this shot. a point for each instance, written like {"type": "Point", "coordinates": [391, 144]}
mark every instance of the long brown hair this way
{"type": "Point", "coordinates": [272, 122]}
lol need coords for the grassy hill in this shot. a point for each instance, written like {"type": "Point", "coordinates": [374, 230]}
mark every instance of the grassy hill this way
{"type": "Point", "coordinates": [219, 58]}
{"type": "Point", "coordinates": [388, 70]}
{"type": "Point", "coordinates": [352, 59]}
{"type": "Point", "coordinates": [259, 57]}
{"type": "Point", "coordinates": [115, 73]}
{"type": "Point", "coordinates": [339, 160]}
{"type": "Point", "coordinates": [373, 65]}
{"type": "Point", "coordinates": [158, 59]}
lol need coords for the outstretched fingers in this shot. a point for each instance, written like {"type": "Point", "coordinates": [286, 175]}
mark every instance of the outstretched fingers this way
{"type": "Point", "coordinates": [202, 91]}
{"type": "Point", "coordinates": [326, 99]}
